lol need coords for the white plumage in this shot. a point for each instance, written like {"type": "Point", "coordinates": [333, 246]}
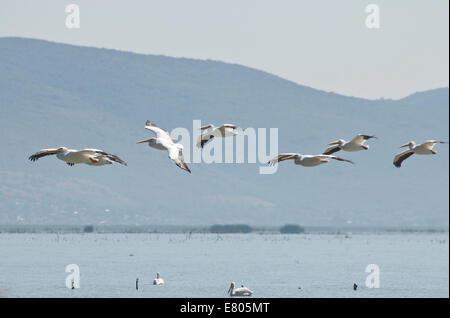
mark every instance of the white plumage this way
{"type": "Point", "coordinates": [164, 142]}
{"type": "Point", "coordinates": [423, 149]}
{"type": "Point", "coordinates": [305, 160]}
{"type": "Point", "coordinates": [240, 291]}
{"type": "Point", "coordinates": [92, 157]}
{"type": "Point", "coordinates": [356, 144]}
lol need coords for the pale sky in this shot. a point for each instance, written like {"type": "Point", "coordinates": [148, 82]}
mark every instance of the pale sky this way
{"type": "Point", "coordinates": [323, 44]}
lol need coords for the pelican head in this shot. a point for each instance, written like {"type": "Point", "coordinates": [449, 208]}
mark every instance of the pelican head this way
{"type": "Point", "coordinates": [158, 276]}
{"type": "Point", "coordinates": [410, 144]}
{"type": "Point", "coordinates": [145, 141]}
{"type": "Point", "coordinates": [337, 142]}
{"type": "Point", "coordinates": [230, 290]}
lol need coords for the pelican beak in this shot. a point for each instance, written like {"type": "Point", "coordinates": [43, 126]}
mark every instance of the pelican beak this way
{"type": "Point", "coordinates": [230, 289]}
{"type": "Point", "coordinates": [143, 141]}
{"type": "Point", "coordinates": [404, 145]}
{"type": "Point", "coordinates": [333, 143]}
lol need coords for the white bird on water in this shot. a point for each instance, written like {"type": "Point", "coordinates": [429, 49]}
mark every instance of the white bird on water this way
{"type": "Point", "coordinates": [356, 144]}
{"type": "Point", "coordinates": [164, 142]}
{"type": "Point", "coordinates": [423, 149]}
{"type": "Point", "coordinates": [210, 131]}
{"type": "Point", "coordinates": [158, 280]}
{"type": "Point", "coordinates": [240, 291]}
{"type": "Point", "coordinates": [92, 157]}
{"type": "Point", "coordinates": [306, 160]}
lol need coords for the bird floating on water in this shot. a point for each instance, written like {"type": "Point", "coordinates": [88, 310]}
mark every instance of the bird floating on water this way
{"type": "Point", "coordinates": [210, 131]}
{"type": "Point", "coordinates": [422, 149]}
{"type": "Point", "coordinates": [240, 291]}
{"type": "Point", "coordinates": [92, 157]}
{"type": "Point", "coordinates": [306, 160]}
{"type": "Point", "coordinates": [163, 141]}
{"type": "Point", "coordinates": [356, 144]}
{"type": "Point", "coordinates": [158, 280]}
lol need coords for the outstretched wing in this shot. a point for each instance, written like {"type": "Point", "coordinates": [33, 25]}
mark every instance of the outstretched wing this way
{"type": "Point", "coordinates": [341, 159]}
{"type": "Point", "coordinates": [360, 139]}
{"type": "Point", "coordinates": [331, 150]}
{"type": "Point", "coordinates": [230, 126]}
{"type": "Point", "coordinates": [43, 153]}
{"type": "Point", "coordinates": [160, 132]}
{"type": "Point", "coordinates": [429, 144]}
{"type": "Point", "coordinates": [113, 158]}
{"type": "Point", "coordinates": [203, 139]}
{"type": "Point", "coordinates": [98, 152]}
{"type": "Point", "coordinates": [176, 155]}
{"type": "Point", "coordinates": [399, 158]}
{"type": "Point", "coordinates": [282, 157]}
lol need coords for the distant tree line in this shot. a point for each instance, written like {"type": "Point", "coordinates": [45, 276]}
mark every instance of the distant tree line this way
{"type": "Point", "coordinates": [244, 228]}
{"type": "Point", "coordinates": [230, 228]}
{"type": "Point", "coordinates": [291, 229]}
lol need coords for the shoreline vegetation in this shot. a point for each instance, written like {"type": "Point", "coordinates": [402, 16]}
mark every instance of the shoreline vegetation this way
{"type": "Point", "coordinates": [214, 229]}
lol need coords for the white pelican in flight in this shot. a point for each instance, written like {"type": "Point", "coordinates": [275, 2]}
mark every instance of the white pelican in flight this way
{"type": "Point", "coordinates": [305, 160]}
{"type": "Point", "coordinates": [423, 149]}
{"type": "Point", "coordinates": [164, 142]}
{"type": "Point", "coordinates": [356, 144]}
{"type": "Point", "coordinates": [240, 291]}
{"type": "Point", "coordinates": [210, 131]}
{"type": "Point", "coordinates": [92, 157]}
{"type": "Point", "coordinates": [158, 280]}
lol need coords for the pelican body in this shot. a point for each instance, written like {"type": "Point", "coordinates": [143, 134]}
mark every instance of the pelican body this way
{"type": "Point", "coordinates": [422, 149]}
{"type": "Point", "coordinates": [163, 141]}
{"type": "Point", "coordinates": [210, 131]}
{"type": "Point", "coordinates": [240, 291]}
{"type": "Point", "coordinates": [158, 280]}
{"type": "Point", "coordinates": [92, 157]}
{"type": "Point", "coordinates": [356, 144]}
{"type": "Point", "coordinates": [306, 160]}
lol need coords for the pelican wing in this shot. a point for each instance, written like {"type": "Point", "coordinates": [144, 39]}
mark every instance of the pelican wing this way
{"type": "Point", "coordinates": [99, 153]}
{"type": "Point", "coordinates": [43, 153]}
{"type": "Point", "coordinates": [176, 155]}
{"type": "Point", "coordinates": [230, 126]}
{"type": "Point", "coordinates": [331, 150]}
{"type": "Point", "coordinates": [282, 157]}
{"type": "Point", "coordinates": [113, 158]}
{"type": "Point", "coordinates": [336, 158]}
{"type": "Point", "coordinates": [360, 139]}
{"type": "Point", "coordinates": [399, 158]}
{"type": "Point", "coordinates": [161, 133]}
{"type": "Point", "coordinates": [429, 144]}
{"type": "Point", "coordinates": [205, 127]}
{"type": "Point", "coordinates": [203, 139]}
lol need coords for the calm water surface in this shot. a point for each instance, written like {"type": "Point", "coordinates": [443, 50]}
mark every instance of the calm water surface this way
{"type": "Point", "coordinates": [203, 265]}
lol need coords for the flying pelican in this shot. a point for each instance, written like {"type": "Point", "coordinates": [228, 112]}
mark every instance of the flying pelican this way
{"type": "Point", "coordinates": [164, 142]}
{"type": "Point", "coordinates": [305, 160]}
{"type": "Point", "coordinates": [158, 280]}
{"type": "Point", "coordinates": [240, 291]}
{"type": "Point", "coordinates": [355, 144]}
{"type": "Point", "coordinates": [423, 149]}
{"type": "Point", "coordinates": [92, 157]}
{"type": "Point", "coordinates": [211, 131]}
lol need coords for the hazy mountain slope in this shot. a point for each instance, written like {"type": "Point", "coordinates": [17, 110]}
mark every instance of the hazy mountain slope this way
{"type": "Point", "coordinates": [55, 94]}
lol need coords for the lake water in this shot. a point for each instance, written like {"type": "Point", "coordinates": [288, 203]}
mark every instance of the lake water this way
{"type": "Point", "coordinates": [204, 265]}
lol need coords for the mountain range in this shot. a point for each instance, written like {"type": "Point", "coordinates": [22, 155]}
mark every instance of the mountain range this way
{"type": "Point", "coordinates": [54, 94]}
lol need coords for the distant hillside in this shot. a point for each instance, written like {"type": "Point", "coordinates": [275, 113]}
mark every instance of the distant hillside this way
{"type": "Point", "coordinates": [56, 94]}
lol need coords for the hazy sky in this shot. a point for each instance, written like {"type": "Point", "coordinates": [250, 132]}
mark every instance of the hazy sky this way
{"type": "Point", "coordinates": [323, 44]}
